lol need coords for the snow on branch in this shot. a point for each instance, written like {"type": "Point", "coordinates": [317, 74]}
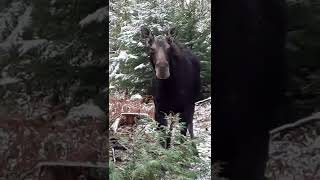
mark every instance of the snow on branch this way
{"type": "Point", "coordinates": [203, 101]}
{"type": "Point", "coordinates": [98, 16]}
{"type": "Point", "coordinates": [23, 22]}
{"type": "Point", "coordinates": [27, 45]}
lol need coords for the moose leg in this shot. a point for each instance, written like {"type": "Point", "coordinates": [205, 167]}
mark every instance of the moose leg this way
{"type": "Point", "coordinates": [187, 117]}
{"type": "Point", "coordinates": [190, 129]}
{"type": "Point", "coordinates": [162, 123]}
{"type": "Point", "coordinates": [160, 118]}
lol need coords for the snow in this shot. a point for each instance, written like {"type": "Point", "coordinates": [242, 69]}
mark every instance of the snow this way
{"type": "Point", "coordinates": [122, 55]}
{"type": "Point", "coordinates": [7, 17]}
{"type": "Point", "coordinates": [52, 2]}
{"type": "Point", "coordinates": [98, 16]}
{"type": "Point", "coordinates": [140, 44]}
{"type": "Point", "coordinates": [140, 66]}
{"type": "Point", "coordinates": [87, 110]}
{"type": "Point", "coordinates": [23, 22]}
{"type": "Point", "coordinates": [136, 97]}
{"type": "Point", "coordinates": [202, 131]}
{"type": "Point", "coordinates": [202, 126]}
{"type": "Point", "coordinates": [296, 123]}
{"type": "Point", "coordinates": [130, 56]}
{"type": "Point", "coordinates": [114, 69]}
{"type": "Point", "coordinates": [27, 45]}
{"type": "Point", "coordinates": [8, 80]}
{"type": "Point", "coordinates": [294, 150]}
{"type": "Point", "coordinates": [139, 13]}
{"type": "Point", "coordinates": [54, 49]}
{"type": "Point", "coordinates": [115, 62]}
{"type": "Point", "coordinates": [118, 76]}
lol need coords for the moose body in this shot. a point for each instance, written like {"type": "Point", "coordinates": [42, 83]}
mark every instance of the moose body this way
{"type": "Point", "coordinates": [176, 84]}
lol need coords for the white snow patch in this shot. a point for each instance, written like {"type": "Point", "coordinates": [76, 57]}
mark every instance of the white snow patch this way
{"type": "Point", "coordinates": [27, 45]}
{"type": "Point", "coordinates": [132, 56]}
{"type": "Point", "coordinates": [87, 110]}
{"type": "Point", "coordinates": [202, 131]}
{"type": "Point", "coordinates": [136, 97]}
{"type": "Point", "coordinates": [140, 44]}
{"type": "Point", "coordinates": [8, 80]}
{"type": "Point", "coordinates": [123, 55]}
{"type": "Point", "coordinates": [8, 17]}
{"type": "Point", "coordinates": [117, 76]}
{"type": "Point", "coordinates": [114, 67]}
{"type": "Point", "coordinates": [140, 66]}
{"type": "Point", "coordinates": [23, 22]}
{"type": "Point", "coordinates": [52, 2]}
{"type": "Point", "coordinates": [98, 16]}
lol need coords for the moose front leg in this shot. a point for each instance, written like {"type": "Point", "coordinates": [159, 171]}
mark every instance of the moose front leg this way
{"type": "Point", "coordinates": [162, 124]}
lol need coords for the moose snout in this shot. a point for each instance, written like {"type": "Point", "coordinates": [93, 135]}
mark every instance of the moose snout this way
{"type": "Point", "coordinates": [162, 70]}
{"type": "Point", "coordinates": [162, 66]}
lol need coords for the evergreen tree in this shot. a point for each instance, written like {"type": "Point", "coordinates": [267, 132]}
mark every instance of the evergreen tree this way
{"type": "Point", "coordinates": [129, 62]}
{"type": "Point", "coordinates": [45, 59]}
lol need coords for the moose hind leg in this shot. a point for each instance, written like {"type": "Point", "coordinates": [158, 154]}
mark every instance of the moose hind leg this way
{"type": "Point", "coordinates": [190, 129]}
{"type": "Point", "coordinates": [187, 117]}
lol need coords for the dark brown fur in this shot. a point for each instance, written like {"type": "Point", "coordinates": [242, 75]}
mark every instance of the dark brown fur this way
{"type": "Point", "coordinates": [178, 92]}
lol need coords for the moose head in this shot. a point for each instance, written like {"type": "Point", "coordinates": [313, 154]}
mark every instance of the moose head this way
{"type": "Point", "coordinates": [159, 48]}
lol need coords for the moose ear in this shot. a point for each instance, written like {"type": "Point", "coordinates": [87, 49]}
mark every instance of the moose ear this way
{"type": "Point", "coordinates": [171, 34]}
{"type": "Point", "coordinates": [147, 35]}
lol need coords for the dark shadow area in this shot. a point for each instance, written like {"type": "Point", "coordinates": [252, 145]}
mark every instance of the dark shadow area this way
{"type": "Point", "coordinates": [53, 84]}
{"type": "Point", "coordinates": [266, 84]}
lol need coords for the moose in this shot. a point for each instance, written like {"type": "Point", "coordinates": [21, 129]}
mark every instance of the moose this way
{"type": "Point", "coordinates": [176, 81]}
{"type": "Point", "coordinates": [249, 80]}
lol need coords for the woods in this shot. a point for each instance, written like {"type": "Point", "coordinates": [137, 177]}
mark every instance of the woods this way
{"type": "Point", "coordinates": [53, 89]}
{"type": "Point", "coordinates": [129, 65]}
{"type": "Point", "coordinates": [139, 29]}
{"type": "Point", "coordinates": [57, 77]}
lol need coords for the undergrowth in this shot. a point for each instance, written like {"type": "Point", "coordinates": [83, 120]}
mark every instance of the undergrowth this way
{"type": "Point", "coordinates": [150, 161]}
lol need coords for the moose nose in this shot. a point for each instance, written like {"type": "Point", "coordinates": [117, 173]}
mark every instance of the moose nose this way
{"type": "Point", "coordinates": [162, 65]}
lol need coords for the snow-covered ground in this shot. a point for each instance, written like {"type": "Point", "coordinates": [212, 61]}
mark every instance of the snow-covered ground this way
{"type": "Point", "coordinates": [295, 150]}
{"type": "Point", "coordinates": [202, 131]}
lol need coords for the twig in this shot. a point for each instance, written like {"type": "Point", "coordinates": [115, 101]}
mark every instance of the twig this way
{"type": "Point", "coordinates": [313, 117]}
{"type": "Point", "coordinates": [204, 100]}
{"type": "Point", "coordinates": [74, 163]}
{"type": "Point", "coordinates": [115, 125]}
{"type": "Point", "coordinates": [113, 155]}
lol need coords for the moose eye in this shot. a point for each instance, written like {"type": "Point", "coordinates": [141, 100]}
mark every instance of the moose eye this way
{"type": "Point", "coordinates": [169, 40]}
{"type": "Point", "coordinates": [152, 50]}
{"type": "Point", "coordinates": [167, 45]}
{"type": "Point", "coordinates": [150, 41]}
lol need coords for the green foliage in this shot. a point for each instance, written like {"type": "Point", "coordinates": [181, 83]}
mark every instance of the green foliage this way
{"type": "Point", "coordinates": [193, 24]}
{"type": "Point", "coordinates": [195, 32]}
{"type": "Point", "coordinates": [53, 20]}
{"type": "Point", "coordinates": [58, 50]}
{"type": "Point", "coordinates": [150, 161]}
